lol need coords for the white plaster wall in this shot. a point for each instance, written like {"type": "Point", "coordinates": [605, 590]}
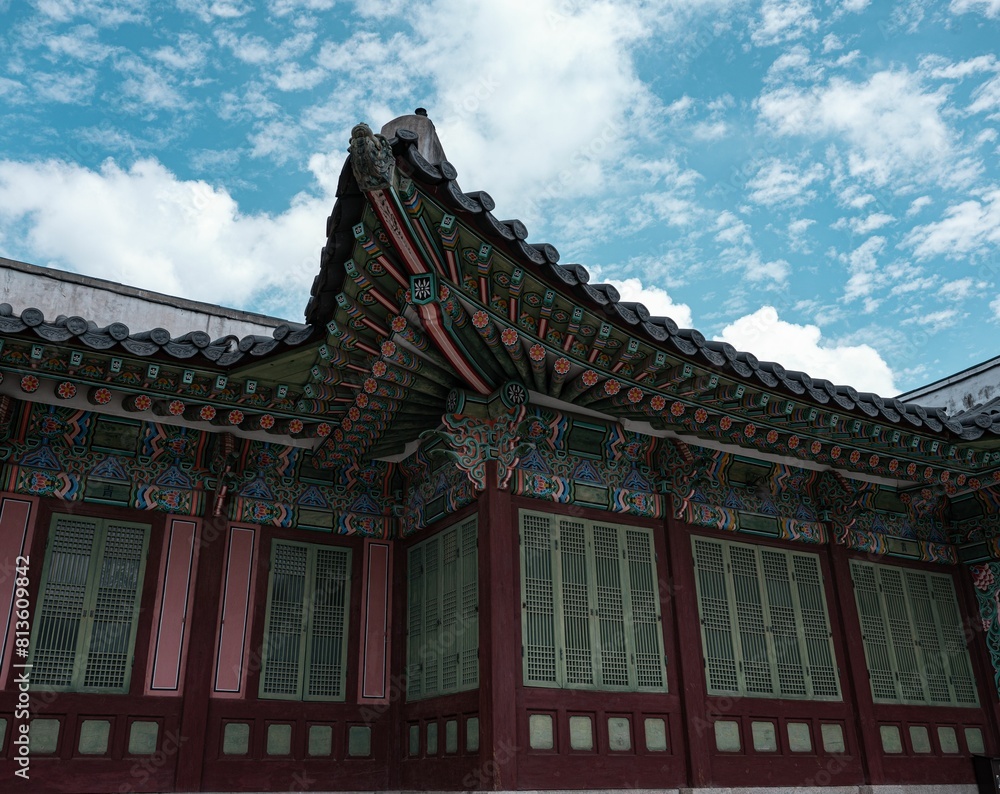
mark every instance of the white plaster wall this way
{"type": "Point", "coordinates": [104, 302]}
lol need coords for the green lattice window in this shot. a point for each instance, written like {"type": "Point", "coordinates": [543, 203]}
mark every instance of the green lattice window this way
{"type": "Point", "coordinates": [442, 649]}
{"type": "Point", "coordinates": [305, 629]}
{"type": "Point", "coordinates": [88, 606]}
{"type": "Point", "coordinates": [590, 605]}
{"type": "Point", "coordinates": [765, 627]}
{"type": "Point", "coordinates": [913, 635]}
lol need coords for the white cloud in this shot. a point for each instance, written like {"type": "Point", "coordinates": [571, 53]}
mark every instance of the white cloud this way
{"type": "Point", "coordinates": [918, 204]}
{"type": "Point", "coordinates": [189, 53]}
{"type": "Point", "coordinates": [986, 98]}
{"type": "Point", "coordinates": [783, 20]}
{"type": "Point", "coordinates": [69, 89]}
{"type": "Point", "coordinates": [209, 11]}
{"type": "Point", "coordinates": [862, 264]}
{"type": "Point", "coordinates": [864, 226]}
{"type": "Point", "coordinates": [989, 8]}
{"type": "Point", "coordinates": [832, 42]}
{"type": "Point", "coordinates": [148, 87]}
{"type": "Point", "coordinates": [995, 307]}
{"type": "Point", "coordinates": [802, 348]}
{"type": "Point", "coordinates": [81, 43]}
{"type": "Point", "coordinates": [894, 126]}
{"type": "Point", "coordinates": [972, 226]}
{"type": "Point", "coordinates": [936, 321]}
{"type": "Point", "coordinates": [957, 290]}
{"type": "Point", "coordinates": [123, 225]}
{"type": "Point", "coordinates": [654, 298]}
{"type": "Point", "coordinates": [105, 13]}
{"type": "Point", "coordinates": [779, 182]}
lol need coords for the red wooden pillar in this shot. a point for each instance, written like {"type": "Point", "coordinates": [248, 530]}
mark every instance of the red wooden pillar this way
{"type": "Point", "coordinates": [856, 670]}
{"type": "Point", "coordinates": [201, 648]}
{"type": "Point", "coordinates": [695, 710]}
{"type": "Point", "coordinates": [982, 665]}
{"type": "Point", "coordinates": [499, 637]}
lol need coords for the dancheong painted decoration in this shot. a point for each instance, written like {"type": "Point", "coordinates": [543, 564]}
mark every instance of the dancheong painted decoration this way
{"type": "Point", "coordinates": [478, 523]}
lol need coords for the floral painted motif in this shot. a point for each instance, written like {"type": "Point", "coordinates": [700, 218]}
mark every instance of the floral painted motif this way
{"type": "Point", "coordinates": [66, 390]}
{"type": "Point", "coordinates": [176, 407]}
{"type": "Point", "coordinates": [29, 384]}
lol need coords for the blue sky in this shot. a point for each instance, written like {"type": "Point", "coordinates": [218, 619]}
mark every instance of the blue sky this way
{"type": "Point", "coordinates": [816, 181]}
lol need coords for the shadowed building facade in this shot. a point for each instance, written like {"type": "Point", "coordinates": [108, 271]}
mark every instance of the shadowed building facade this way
{"type": "Point", "coordinates": [477, 524]}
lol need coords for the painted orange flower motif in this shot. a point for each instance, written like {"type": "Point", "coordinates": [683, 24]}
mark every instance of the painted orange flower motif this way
{"type": "Point", "coordinates": [677, 408]}
{"type": "Point", "coordinates": [354, 412]}
{"type": "Point", "coordinates": [793, 442]}
{"type": "Point", "coordinates": [398, 323]}
{"type": "Point", "coordinates": [142, 402]}
{"type": "Point", "coordinates": [361, 400]}
{"type": "Point", "coordinates": [855, 456]}
{"type": "Point", "coordinates": [295, 426]}
{"type": "Point", "coordinates": [370, 385]}
{"type": "Point", "coordinates": [66, 390]}
{"type": "Point", "coordinates": [267, 421]}
{"type": "Point", "coordinates": [929, 473]}
{"type": "Point", "coordinates": [835, 452]}
{"type": "Point", "coordinates": [750, 430]}
{"type": "Point", "coordinates": [235, 417]}
{"type": "Point", "coordinates": [701, 415]}
{"type": "Point", "coordinates": [772, 436]}
{"type": "Point", "coordinates": [536, 352]}
{"type": "Point", "coordinates": [102, 396]}
{"type": "Point", "coordinates": [323, 429]}
{"type": "Point", "coordinates": [911, 469]}
{"type": "Point", "coordinates": [480, 318]}
{"type": "Point", "coordinates": [893, 464]}
{"type": "Point", "coordinates": [509, 337]}
{"type": "Point", "coordinates": [388, 348]}
{"type": "Point", "coordinates": [612, 387]}
{"type": "Point", "coordinates": [176, 407]}
{"type": "Point", "coordinates": [873, 461]}
{"type": "Point", "coordinates": [635, 394]}
{"type": "Point", "coordinates": [725, 423]}
{"type": "Point", "coordinates": [561, 366]}
{"type": "Point", "coordinates": [960, 479]}
{"type": "Point", "coordinates": [590, 377]}
{"type": "Point", "coordinates": [379, 369]}
{"type": "Point", "coordinates": [29, 383]}
{"type": "Point", "coordinates": [815, 447]}
{"type": "Point", "coordinates": [657, 403]}
{"type": "Point", "coordinates": [207, 412]}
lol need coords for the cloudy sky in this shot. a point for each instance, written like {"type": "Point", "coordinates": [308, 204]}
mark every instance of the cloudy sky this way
{"type": "Point", "coordinates": [816, 181]}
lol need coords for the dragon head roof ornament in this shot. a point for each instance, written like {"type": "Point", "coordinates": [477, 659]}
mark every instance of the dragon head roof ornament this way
{"type": "Point", "coordinates": [371, 159]}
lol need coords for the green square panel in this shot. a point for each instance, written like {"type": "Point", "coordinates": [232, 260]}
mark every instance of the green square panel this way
{"type": "Point", "coordinates": [891, 741]}
{"type": "Point", "coordinates": [973, 738]}
{"type": "Point", "coordinates": [451, 736]}
{"type": "Point", "coordinates": [432, 738]}
{"type": "Point", "coordinates": [279, 739]}
{"type": "Point", "coordinates": [656, 734]}
{"type": "Point", "coordinates": [833, 737]}
{"type": "Point", "coordinates": [236, 738]}
{"type": "Point", "coordinates": [359, 741]}
{"type": "Point", "coordinates": [727, 736]}
{"type": "Point", "coordinates": [920, 739]}
{"type": "Point", "coordinates": [619, 734]}
{"type": "Point", "coordinates": [94, 735]}
{"type": "Point", "coordinates": [799, 737]}
{"type": "Point", "coordinates": [472, 735]}
{"type": "Point", "coordinates": [320, 740]}
{"type": "Point", "coordinates": [581, 732]}
{"type": "Point", "coordinates": [765, 738]}
{"type": "Point", "coordinates": [540, 735]}
{"type": "Point", "coordinates": [43, 736]}
{"type": "Point", "coordinates": [142, 736]}
{"type": "Point", "coordinates": [3, 730]}
{"type": "Point", "coordinates": [414, 749]}
{"type": "Point", "coordinates": [948, 739]}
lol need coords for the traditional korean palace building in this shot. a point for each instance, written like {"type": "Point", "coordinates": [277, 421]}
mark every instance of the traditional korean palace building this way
{"type": "Point", "coordinates": [477, 524]}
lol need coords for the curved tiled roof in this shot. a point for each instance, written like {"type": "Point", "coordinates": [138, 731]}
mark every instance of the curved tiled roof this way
{"type": "Point", "coordinates": [224, 351]}
{"type": "Point", "coordinates": [476, 209]}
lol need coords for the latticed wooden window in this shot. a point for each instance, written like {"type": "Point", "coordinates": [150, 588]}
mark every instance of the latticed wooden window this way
{"type": "Point", "coordinates": [915, 644]}
{"type": "Point", "coordinates": [590, 605]}
{"type": "Point", "coordinates": [305, 630]}
{"type": "Point", "coordinates": [88, 606]}
{"type": "Point", "coordinates": [442, 648]}
{"type": "Point", "coordinates": [765, 627]}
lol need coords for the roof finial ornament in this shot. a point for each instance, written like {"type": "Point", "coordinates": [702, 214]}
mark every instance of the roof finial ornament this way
{"type": "Point", "coordinates": [371, 159]}
{"type": "Point", "coordinates": [421, 112]}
